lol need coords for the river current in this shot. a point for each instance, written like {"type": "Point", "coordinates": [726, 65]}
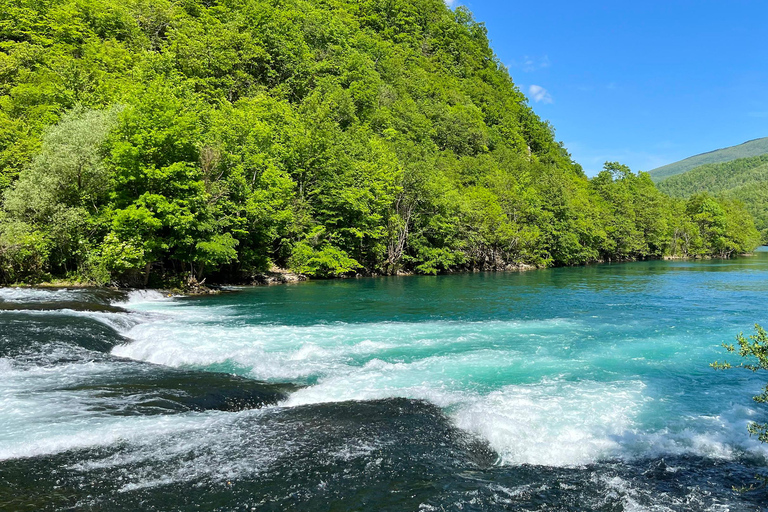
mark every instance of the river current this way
{"type": "Point", "coordinates": [582, 388]}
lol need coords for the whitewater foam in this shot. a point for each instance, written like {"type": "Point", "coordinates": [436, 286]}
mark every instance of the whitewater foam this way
{"type": "Point", "coordinates": [136, 297]}
{"type": "Point", "coordinates": [541, 414]}
{"type": "Point", "coordinates": [201, 337]}
{"type": "Point", "coordinates": [120, 322]}
{"type": "Point", "coordinates": [555, 422]}
{"type": "Point", "coordinates": [84, 432]}
{"type": "Point", "coordinates": [41, 294]}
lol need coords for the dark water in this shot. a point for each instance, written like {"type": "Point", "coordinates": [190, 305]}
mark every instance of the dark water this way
{"type": "Point", "coordinates": [565, 389]}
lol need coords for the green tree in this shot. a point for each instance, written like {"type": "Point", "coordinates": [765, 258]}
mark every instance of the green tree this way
{"type": "Point", "coordinates": [745, 179]}
{"type": "Point", "coordinates": [60, 197]}
{"type": "Point", "coordinates": [754, 350]}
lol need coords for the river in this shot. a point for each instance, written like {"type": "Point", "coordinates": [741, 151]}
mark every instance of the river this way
{"type": "Point", "coordinates": [585, 388]}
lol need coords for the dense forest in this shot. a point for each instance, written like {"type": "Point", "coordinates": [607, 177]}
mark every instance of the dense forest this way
{"type": "Point", "coordinates": [147, 141]}
{"type": "Point", "coordinates": [745, 180]}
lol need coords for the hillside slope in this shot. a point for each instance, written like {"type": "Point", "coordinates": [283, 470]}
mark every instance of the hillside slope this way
{"type": "Point", "coordinates": [748, 149]}
{"type": "Point", "coordinates": [745, 179]}
{"type": "Point", "coordinates": [210, 139]}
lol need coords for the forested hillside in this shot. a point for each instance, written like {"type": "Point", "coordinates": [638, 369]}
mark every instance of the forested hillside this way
{"type": "Point", "coordinates": [144, 141]}
{"type": "Point", "coordinates": [745, 180]}
{"type": "Point", "coordinates": [748, 149]}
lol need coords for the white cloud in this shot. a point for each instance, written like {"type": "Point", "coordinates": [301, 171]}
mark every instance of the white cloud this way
{"type": "Point", "coordinates": [530, 64]}
{"type": "Point", "coordinates": [451, 3]}
{"type": "Point", "coordinates": [539, 94]}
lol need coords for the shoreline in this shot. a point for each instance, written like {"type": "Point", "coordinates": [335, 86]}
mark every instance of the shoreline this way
{"type": "Point", "coordinates": [281, 276]}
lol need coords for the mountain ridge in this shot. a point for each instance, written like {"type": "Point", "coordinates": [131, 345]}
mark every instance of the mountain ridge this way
{"type": "Point", "coordinates": [744, 179]}
{"type": "Point", "coordinates": [751, 148]}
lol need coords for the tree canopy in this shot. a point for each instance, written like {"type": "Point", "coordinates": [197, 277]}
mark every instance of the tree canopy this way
{"type": "Point", "coordinates": [745, 180]}
{"type": "Point", "coordinates": [179, 137]}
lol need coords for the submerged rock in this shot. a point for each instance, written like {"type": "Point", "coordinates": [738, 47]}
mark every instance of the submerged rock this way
{"type": "Point", "coordinates": [378, 455]}
{"type": "Point", "coordinates": [383, 455]}
{"type": "Point", "coordinates": [145, 389]}
{"type": "Point", "coordinates": [277, 275]}
{"type": "Point", "coordinates": [60, 305]}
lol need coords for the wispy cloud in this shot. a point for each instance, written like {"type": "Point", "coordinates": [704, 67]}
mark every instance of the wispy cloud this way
{"type": "Point", "coordinates": [530, 64]}
{"type": "Point", "coordinates": [539, 94]}
{"type": "Point", "coordinates": [452, 3]}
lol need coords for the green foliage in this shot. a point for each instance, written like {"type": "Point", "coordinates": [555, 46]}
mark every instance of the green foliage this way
{"type": "Point", "coordinates": [744, 180]}
{"type": "Point", "coordinates": [754, 350]}
{"type": "Point", "coordinates": [325, 261]}
{"type": "Point", "coordinates": [60, 195]}
{"type": "Point", "coordinates": [642, 222]}
{"type": "Point", "coordinates": [203, 139]}
{"type": "Point", "coordinates": [68, 171]}
{"type": "Point", "coordinates": [216, 251]}
{"type": "Point", "coordinates": [24, 252]}
{"type": "Point", "coordinates": [121, 255]}
{"type": "Point", "coordinates": [638, 215]}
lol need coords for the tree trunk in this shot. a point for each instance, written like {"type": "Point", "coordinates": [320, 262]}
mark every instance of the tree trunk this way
{"type": "Point", "coordinates": [396, 245]}
{"type": "Point", "coordinates": [147, 268]}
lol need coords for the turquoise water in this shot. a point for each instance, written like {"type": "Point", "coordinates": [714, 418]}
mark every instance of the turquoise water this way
{"type": "Point", "coordinates": [605, 361]}
{"type": "Point", "coordinates": [591, 374]}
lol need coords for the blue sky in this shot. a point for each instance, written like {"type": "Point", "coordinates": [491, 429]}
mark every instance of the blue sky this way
{"type": "Point", "coordinates": [645, 83]}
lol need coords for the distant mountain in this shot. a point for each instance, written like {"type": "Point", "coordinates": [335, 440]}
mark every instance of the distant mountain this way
{"type": "Point", "coordinates": [745, 179]}
{"type": "Point", "coordinates": [748, 149]}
